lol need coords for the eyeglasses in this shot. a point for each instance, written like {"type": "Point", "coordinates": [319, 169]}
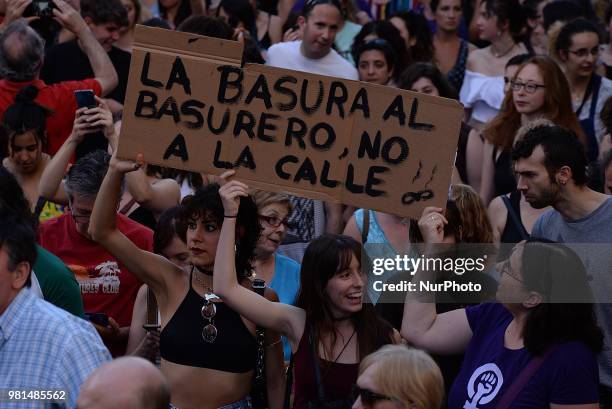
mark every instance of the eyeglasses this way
{"type": "Point", "coordinates": [274, 221]}
{"type": "Point", "coordinates": [583, 52]}
{"type": "Point", "coordinates": [76, 216]}
{"type": "Point", "coordinates": [530, 87]}
{"type": "Point", "coordinates": [209, 332]}
{"type": "Point", "coordinates": [368, 398]}
{"type": "Point", "coordinates": [505, 268]}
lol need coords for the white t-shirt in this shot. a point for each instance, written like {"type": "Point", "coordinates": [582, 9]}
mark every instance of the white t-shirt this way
{"type": "Point", "coordinates": [288, 55]}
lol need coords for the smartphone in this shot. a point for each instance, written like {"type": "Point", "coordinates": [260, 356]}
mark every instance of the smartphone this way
{"type": "Point", "coordinates": [85, 98]}
{"type": "Point", "coordinates": [151, 327]}
{"type": "Point", "coordinates": [98, 318]}
{"type": "Point", "coordinates": [40, 8]}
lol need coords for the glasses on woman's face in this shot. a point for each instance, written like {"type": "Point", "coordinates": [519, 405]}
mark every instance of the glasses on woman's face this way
{"type": "Point", "coordinates": [584, 52]}
{"type": "Point", "coordinates": [209, 332]}
{"type": "Point", "coordinates": [504, 267]}
{"type": "Point", "coordinates": [530, 87]}
{"type": "Point", "coordinates": [368, 398]}
{"type": "Point", "coordinates": [274, 221]}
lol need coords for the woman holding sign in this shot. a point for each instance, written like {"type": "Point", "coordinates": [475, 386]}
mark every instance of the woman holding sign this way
{"type": "Point", "coordinates": [209, 352]}
{"type": "Point", "coordinates": [330, 329]}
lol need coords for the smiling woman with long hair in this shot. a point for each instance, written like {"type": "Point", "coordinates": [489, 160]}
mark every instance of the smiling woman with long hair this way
{"type": "Point", "coordinates": [330, 328]}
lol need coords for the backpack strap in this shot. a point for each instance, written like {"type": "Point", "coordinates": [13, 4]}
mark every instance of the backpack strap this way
{"type": "Point", "coordinates": [365, 228]}
{"type": "Point", "coordinates": [523, 377]}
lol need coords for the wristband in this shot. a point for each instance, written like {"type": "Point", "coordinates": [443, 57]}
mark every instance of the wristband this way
{"type": "Point", "coordinates": [230, 217]}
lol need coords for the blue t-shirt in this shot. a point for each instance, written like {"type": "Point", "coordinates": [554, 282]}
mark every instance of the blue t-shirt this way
{"type": "Point", "coordinates": [568, 376]}
{"type": "Point", "coordinates": [286, 284]}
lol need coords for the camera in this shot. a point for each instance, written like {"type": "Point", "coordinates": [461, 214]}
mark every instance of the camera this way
{"type": "Point", "coordinates": [40, 8]}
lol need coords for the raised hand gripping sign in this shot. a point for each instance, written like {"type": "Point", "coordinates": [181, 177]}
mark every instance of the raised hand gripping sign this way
{"type": "Point", "coordinates": [191, 106]}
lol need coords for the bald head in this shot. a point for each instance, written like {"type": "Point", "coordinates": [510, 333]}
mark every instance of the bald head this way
{"type": "Point", "coordinates": [21, 52]}
{"type": "Point", "coordinates": [126, 382]}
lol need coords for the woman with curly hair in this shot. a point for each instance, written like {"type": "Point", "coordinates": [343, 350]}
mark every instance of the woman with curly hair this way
{"type": "Point", "coordinates": [208, 350]}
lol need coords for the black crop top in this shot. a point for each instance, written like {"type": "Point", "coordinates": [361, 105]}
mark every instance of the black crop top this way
{"type": "Point", "coordinates": [234, 350]}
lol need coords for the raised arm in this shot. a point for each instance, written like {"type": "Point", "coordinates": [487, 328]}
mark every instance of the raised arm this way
{"type": "Point", "coordinates": [152, 269]}
{"type": "Point", "coordinates": [158, 196]}
{"type": "Point", "coordinates": [443, 334]}
{"type": "Point", "coordinates": [283, 318]}
{"type": "Point", "coordinates": [101, 65]}
{"type": "Point", "coordinates": [50, 185]}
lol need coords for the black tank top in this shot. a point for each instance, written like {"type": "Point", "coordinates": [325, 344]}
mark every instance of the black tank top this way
{"type": "Point", "coordinates": [504, 179]}
{"type": "Point", "coordinates": [234, 350]}
{"type": "Point", "coordinates": [514, 230]}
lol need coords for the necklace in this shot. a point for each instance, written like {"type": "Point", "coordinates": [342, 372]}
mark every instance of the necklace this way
{"type": "Point", "coordinates": [210, 293]}
{"type": "Point", "coordinates": [499, 55]}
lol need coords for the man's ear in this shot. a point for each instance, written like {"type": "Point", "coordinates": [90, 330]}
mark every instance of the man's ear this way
{"type": "Point", "coordinates": [301, 22]}
{"type": "Point", "coordinates": [533, 300]}
{"type": "Point", "coordinates": [20, 275]}
{"type": "Point", "coordinates": [564, 175]}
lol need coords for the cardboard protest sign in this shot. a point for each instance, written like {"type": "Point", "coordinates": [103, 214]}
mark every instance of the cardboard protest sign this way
{"type": "Point", "coordinates": [190, 105]}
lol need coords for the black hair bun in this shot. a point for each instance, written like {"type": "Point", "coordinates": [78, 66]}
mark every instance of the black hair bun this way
{"type": "Point", "coordinates": [26, 94]}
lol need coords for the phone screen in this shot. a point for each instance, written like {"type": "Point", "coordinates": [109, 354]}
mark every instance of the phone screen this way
{"type": "Point", "coordinates": [85, 98]}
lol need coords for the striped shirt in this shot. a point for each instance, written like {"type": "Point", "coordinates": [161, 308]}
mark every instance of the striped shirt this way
{"type": "Point", "coordinates": [43, 347]}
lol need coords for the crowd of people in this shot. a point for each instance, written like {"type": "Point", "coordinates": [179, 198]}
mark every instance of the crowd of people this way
{"type": "Point", "coordinates": [124, 284]}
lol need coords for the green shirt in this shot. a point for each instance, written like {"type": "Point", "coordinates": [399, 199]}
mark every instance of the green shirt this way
{"type": "Point", "coordinates": [57, 282]}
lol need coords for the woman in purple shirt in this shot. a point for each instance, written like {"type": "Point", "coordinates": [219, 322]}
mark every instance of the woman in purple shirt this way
{"type": "Point", "coordinates": [534, 348]}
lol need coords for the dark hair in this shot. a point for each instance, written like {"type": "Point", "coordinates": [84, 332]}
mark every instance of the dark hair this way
{"type": "Point", "coordinates": [292, 20]}
{"type": "Point", "coordinates": [557, 273]}
{"type": "Point", "coordinates": [433, 5]}
{"type": "Point", "coordinates": [379, 44]}
{"type": "Point", "coordinates": [251, 53]}
{"type": "Point", "coordinates": [509, 11]}
{"type": "Point", "coordinates": [416, 24]}
{"type": "Point", "coordinates": [606, 160]}
{"type": "Point", "coordinates": [168, 226]}
{"type": "Point", "coordinates": [12, 198]}
{"type": "Point", "coordinates": [577, 26]}
{"type": "Point", "coordinates": [22, 60]}
{"type": "Point", "coordinates": [207, 26]}
{"type": "Point", "coordinates": [560, 10]}
{"type": "Point", "coordinates": [561, 148]}
{"type": "Point", "coordinates": [608, 14]}
{"type": "Point", "coordinates": [309, 6]}
{"type": "Point", "coordinates": [25, 115]}
{"type": "Point", "coordinates": [206, 203]}
{"type": "Point", "coordinates": [157, 22]}
{"type": "Point", "coordinates": [606, 115]}
{"type": "Point", "coordinates": [424, 69]}
{"type": "Point", "coordinates": [18, 239]}
{"type": "Point", "coordinates": [387, 31]}
{"type": "Point", "coordinates": [239, 11]}
{"type": "Point", "coordinates": [326, 256]}
{"type": "Point", "coordinates": [86, 175]}
{"type": "Point", "coordinates": [105, 11]}
{"type": "Point", "coordinates": [183, 12]}
{"type": "Point", "coordinates": [519, 59]}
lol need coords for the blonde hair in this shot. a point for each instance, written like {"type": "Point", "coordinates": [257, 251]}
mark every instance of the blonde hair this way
{"type": "Point", "coordinates": [263, 198]}
{"type": "Point", "coordinates": [407, 375]}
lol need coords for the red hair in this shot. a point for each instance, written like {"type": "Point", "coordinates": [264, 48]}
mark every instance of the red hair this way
{"type": "Point", "coordinates": [557, 107]}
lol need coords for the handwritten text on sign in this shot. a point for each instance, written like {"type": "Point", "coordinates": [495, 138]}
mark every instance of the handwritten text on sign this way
{"type": "Point", "coordinates": [314, 136]}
